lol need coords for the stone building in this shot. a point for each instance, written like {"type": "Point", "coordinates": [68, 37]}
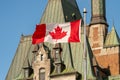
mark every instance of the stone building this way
{"type": "Point", "coordinates": [65, 61]}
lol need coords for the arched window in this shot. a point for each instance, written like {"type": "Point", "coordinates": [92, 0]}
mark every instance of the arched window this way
{"type": "Point", "coordinates": [42, 74]}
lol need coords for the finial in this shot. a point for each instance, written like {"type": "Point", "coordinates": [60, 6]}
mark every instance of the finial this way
{"type": "Point", "coordinates": [84, 10]}
{"type": "Point", "coordinates": [22, 34]}
{"type": "Point", "coordinates": [113, 23]}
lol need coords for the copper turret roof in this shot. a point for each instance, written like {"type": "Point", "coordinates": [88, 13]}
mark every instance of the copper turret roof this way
{"type": "Point", "coordinates": [112, 38]}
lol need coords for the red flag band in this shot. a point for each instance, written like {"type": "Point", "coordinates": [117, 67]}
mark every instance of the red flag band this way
{"type": "Point", "coordinates": [57, 33]}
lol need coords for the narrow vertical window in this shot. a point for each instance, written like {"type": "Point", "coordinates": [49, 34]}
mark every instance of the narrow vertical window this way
{"type": "Point", "coordinates": [57, 56]}
{"type": "Point", "coordinates": [42, 74]}
{"type": "Point", "coordinates": [41, 57]}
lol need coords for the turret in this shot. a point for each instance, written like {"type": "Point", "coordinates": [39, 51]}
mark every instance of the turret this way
{"type": "Point", "coordinates": [98, 13]}
{"type": "Point", "coordinates": [98, 25]}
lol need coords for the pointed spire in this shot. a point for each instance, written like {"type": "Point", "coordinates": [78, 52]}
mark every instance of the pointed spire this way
{"type": "Point", "coordinates": [112, 38]}
{"type": "Point", "coordinates": [113, 22]}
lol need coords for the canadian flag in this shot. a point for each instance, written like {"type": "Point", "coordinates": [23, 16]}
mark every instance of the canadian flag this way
{"type": "Point", "coordinates": [57, 33]}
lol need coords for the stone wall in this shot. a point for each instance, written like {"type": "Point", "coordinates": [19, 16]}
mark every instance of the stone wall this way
{"type": "Point", "coordinates": [110, 58]}
{"type": "Point", "coordinates": [64, 77]}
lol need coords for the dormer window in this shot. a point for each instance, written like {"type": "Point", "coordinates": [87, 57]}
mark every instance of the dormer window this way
{"type": "Point", "coordinates": [57, 59]}
{"type": "Point", "coordinates": [26, 72]}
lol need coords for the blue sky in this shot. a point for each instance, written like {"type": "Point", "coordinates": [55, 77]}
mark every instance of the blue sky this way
{"type": "Point", "coordinates": [19, 17]}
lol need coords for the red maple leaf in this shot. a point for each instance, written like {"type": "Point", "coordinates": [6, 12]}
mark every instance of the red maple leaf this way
{"type": "Point", "coordinates": [58, 34]}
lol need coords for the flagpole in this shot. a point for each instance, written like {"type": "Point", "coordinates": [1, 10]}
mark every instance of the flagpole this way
{"type": "Point", "coordinates": [85, 54]}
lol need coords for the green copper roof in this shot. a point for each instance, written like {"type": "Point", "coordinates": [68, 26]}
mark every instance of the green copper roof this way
{"type": "Point", "coordinates": [57, 11]}
{"type": "Point", "coordinates": [72, 57]}
{"type": "Point", "coordinates": [60, 11]}
{"type": "Point", "coordinates": [23, 53]}
{"type": "Point", "coordinates": [112, 38]}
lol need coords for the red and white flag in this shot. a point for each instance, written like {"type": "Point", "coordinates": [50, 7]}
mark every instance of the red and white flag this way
{"type": "Point", "coordinates": [57, 33]}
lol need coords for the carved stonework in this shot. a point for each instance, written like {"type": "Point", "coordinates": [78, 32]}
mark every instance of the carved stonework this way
{"type": "Point", "coordinates": [41, 63]}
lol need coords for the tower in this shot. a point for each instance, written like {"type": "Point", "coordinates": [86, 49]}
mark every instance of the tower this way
{"type": "Point", "coordinates": [98, 12]}
{"type": "Point", "coordinates": [105, 46]}
{"type": "Point", "coordinates": [98, 25]}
